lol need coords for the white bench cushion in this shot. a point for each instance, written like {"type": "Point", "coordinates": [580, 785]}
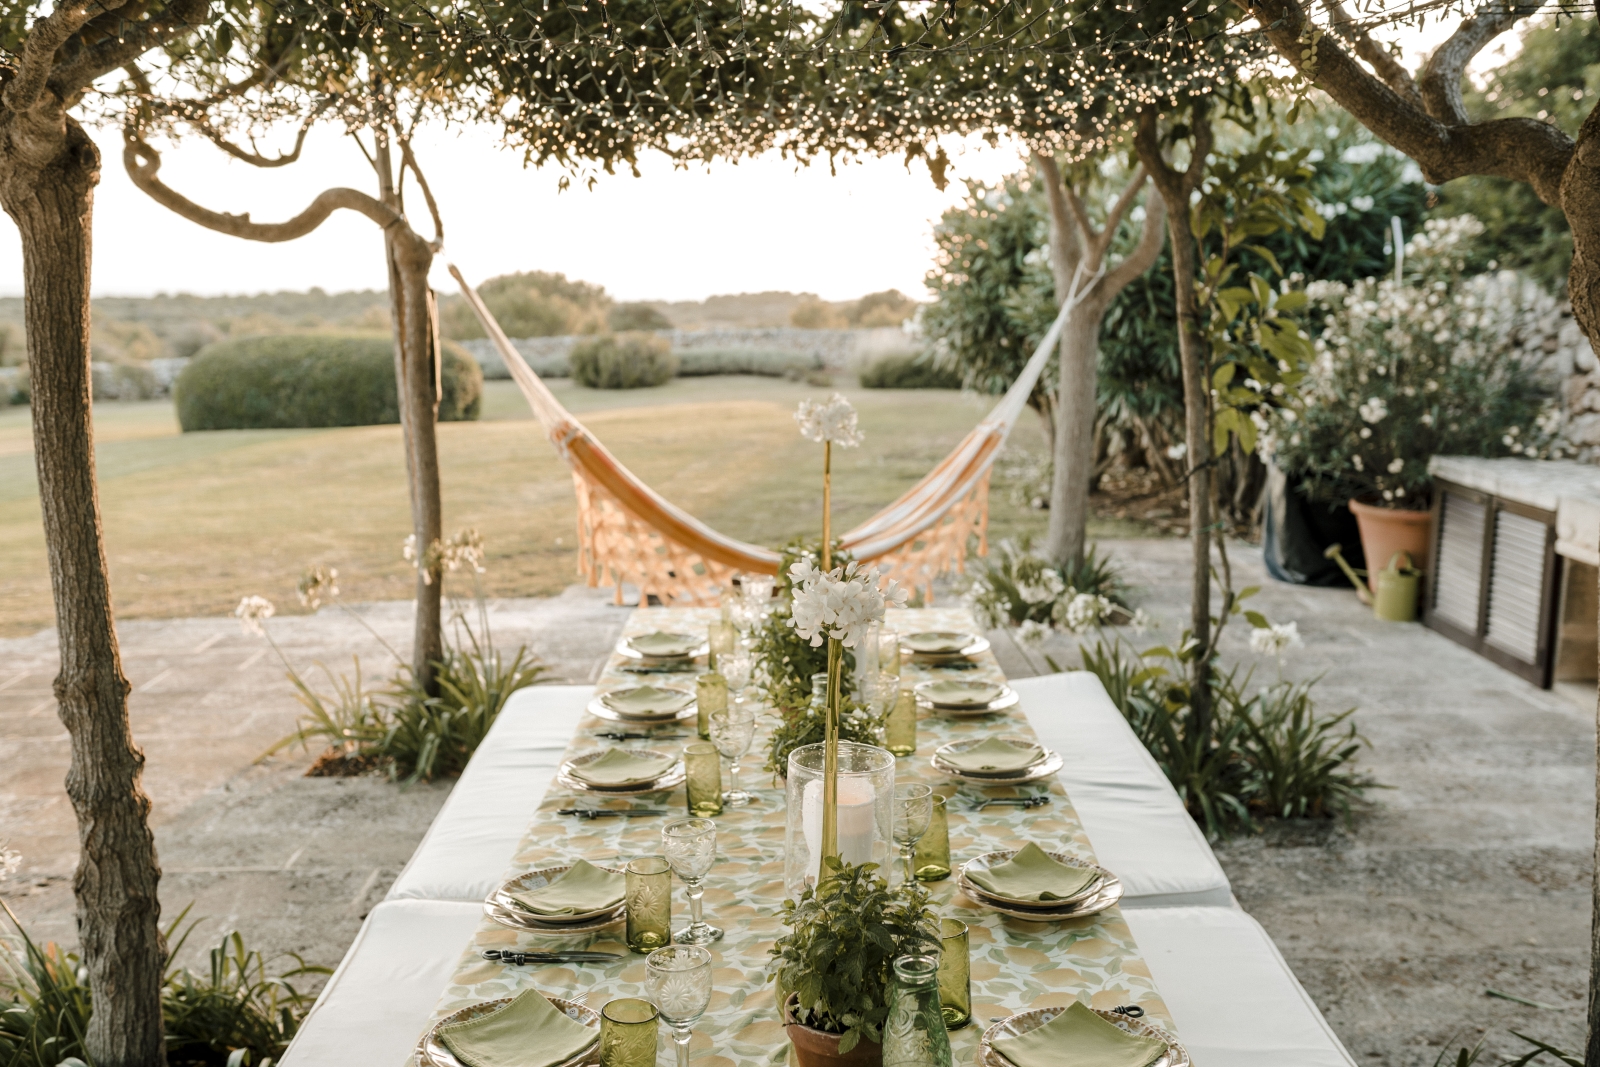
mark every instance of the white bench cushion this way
{"type": "Point", "coordinates": [377, 1003]}
{"type": "Point", "coordinates": [1134, 818]}
{"type": "Point", "coordinates": [470, 844]}
{"type": "Point", "coordinates": [1235, 1001]}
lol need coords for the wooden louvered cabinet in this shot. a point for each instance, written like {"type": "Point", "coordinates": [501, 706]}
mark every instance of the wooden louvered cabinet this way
{"type": "Point", "coordinates": [1495, 579]}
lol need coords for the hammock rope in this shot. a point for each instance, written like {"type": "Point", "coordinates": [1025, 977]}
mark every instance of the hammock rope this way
{"type": "Point", "coordinates": [629, 533]}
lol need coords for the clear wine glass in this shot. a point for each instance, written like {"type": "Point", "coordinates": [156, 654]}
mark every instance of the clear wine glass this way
{"type": "Point", "coordinates": [913, 808]}
{"type": "Point", "coordinates": [678, 980]}
{"type": "Point", "coordinates": [737, 666]}
{"type": "Point", "coordinates": [690, 846]}
{"type": "Point", "coordinates": [732, 730]}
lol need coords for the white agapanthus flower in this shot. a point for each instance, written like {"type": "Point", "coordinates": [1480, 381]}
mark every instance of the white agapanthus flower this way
{"type": "Point", "coordinates": [840, 603]}
{"type": "Point", "coordinates": [1397, 465]}
{"type": "Point", "coordinates": [833, 421]}
{"type": "Point", "coordinates": [252, 610]}
{"type": "Point", "coordinates": [1375, 410]}
{"type": "Point", "coordinates": [1046, 589]}
{"type": "Point", "coordinates": [1141, 623]}
{"type": "Point", "coordinates": [10, 861]}
{"type": "Point", "coordinates": [316, 585]}
{"type": "Point", "coordinates": [465, 549]}
{"type": "Point", "coordinates": [1085, 611]}
{"type": "Point", "coordinates": [1274, 640]}
{"type": "Point", "coordinates": [1032, 633]}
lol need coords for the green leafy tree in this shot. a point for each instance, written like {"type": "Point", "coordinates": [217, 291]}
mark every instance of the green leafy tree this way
{"type": "Point", "coordinates": [537, 304]}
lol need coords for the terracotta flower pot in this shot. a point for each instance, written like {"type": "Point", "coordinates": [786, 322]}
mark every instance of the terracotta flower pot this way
{"type": "Point", "coordinates": [818, 1048]}
{"type": "Point", "coordinates": [1385, 531]}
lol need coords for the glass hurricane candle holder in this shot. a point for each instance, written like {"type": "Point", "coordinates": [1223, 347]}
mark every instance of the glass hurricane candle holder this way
{"type": "Point", "coordinates": [900, 728]}
{"type": "Point", "coordinates": [628, 1028]}
{"type": "Point", "coordinates": [702, 766]}
{"type": "Point", "coordinates": [866, 811]}
{"type": "Point", "coordinates": [932, 855]}
{"type": "Point", "coordinates": [648, 893]}
{"type": "Point", "coordinates": [955, 974]}
{"type": "Point", "coordinates": [711, 696]}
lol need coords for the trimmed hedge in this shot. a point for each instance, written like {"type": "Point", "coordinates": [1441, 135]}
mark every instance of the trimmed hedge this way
{"type": "Point", "coordinates": [633, 360]}
{"type": "Point", "coordinates": [310, 380]}
{"type": "Point", "coordinates": [768, 363]}
{"type": "Point", "coordinates": [909, 371]}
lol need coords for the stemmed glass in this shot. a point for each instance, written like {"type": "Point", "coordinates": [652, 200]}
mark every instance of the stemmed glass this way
{"type": "Point", "coordinates": [736, 666]}
{"type": "Point", "coordinates": [913, 808]}
{"type": "Point", "coordinates": [691, 847]}
{"type": "Point", "coordinates": [678, 979]}
{"type": "Point", "coordinates": [732, 730]}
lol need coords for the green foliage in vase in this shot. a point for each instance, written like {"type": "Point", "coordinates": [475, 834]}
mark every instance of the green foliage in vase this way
{"type": "Point", "coordinates": [798, 727]}
{"type": "Point", "coordinates": [1407, 371]}
{"type": "Point", "coordinates": [838, 955]}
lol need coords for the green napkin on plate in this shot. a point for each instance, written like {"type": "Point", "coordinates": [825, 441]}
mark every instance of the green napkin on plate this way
{"type": "Point", "coordinates": [580, 888]}
{"type": "Point", "coordinates": [619, 767]}
{"type": "Point", "coordinates": [994, 756]}
{"type": "Point", "coordinates": [937, 642]}
{"type": "Point", "coordinates": [647, 700]}
{"type": "Point", "coordinates": [1080, 1038]}
{"type": "Point", "coordinates": [664, 644]}
{"type": "Point", "coordinates": [528, 1032]}
{"type": "Point", "coordinates": [956, 693]}
{"type": "Point", "coordinates": [1032, 875]}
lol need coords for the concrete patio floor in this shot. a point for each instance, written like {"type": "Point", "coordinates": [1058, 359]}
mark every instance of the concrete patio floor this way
{"type": "Point", "coordinates": [1470, 871]}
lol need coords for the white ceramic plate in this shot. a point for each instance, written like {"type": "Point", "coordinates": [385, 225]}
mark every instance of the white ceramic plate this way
{"type": "Point", "coordinates": [538, 879]}
{"type": "Point", "coordinates": [599, 710]}
{"type": "Point", "coordinates": [991, 859]}
{"type": "Point", "coordinates": [1019, 1024]}
{"type": "Point", "coordinates": [1007, 699]}
{"type": "Point", "coordinates": [431, 1052]}
{"type": "Point", "coordinates": [1109, 892]}
{"type": "Point", "coordinates": [628, 651]}
{"type": "Point", "coordinates": [947, 751]}
{"type": "Point", "coordinates": [1045, 768]}
{"type": "Point", "coordinates": [978, 645]}
{"type": "Point", "coordinates": [670, 780]}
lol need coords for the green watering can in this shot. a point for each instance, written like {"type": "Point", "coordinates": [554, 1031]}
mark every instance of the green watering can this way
{"type": "Point", "coordinates": [1396, 598]}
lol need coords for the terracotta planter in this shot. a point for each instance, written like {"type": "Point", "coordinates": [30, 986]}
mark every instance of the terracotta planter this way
{"type": "Point", "coordinates": [818, 1048]}
{"type": "Point", "coordinates": [1385, 531]}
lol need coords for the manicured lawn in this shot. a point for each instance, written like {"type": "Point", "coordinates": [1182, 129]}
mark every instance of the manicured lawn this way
{"type": "Point", "coordinates": [195, 521]}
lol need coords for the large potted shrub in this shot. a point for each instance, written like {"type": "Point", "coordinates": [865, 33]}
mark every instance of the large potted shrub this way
{"type": "Point", "coordinates": [1406, 371]}
{"type": "Point", "coordinates": [834, 966]}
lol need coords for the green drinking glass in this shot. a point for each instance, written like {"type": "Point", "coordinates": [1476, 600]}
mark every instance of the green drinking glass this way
{"type": "Point", "coordinates": [628, 1033]}
{"type": "Point", "coordinates": [711, 696]}
{"type": "Point", "coordinates": [648, 893]}
{"type": "Point", "coordinates": [702, 763]}
{"type": "Point", "coordinates": [932, 856]}
{"type": "Point", "coordinates": [955, 974]}
{"type": "Point", "coordinates": [900, 731]}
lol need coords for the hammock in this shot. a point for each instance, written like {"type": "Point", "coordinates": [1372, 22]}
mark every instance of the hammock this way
{"type": "Point", "coordinates": [627, 532]}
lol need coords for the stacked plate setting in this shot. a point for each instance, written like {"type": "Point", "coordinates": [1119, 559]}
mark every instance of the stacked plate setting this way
{"type": "Point", "coordinates": [572, 773]}
{"type": "Point", "coordinates": [506, 910]}
{"type": "Point", "coordinates": [996, 760]}
{"type": "Point", "coordinates": [1102, 891]}
{"type": "Point", "coordinates": [662, 651]}
{"type": "Point", "coordinates": [645, 704]}
{"type": "Point", "coordinates": [934, 646]}
{"type": "Point", "coordinates": [431, 1051]}
{"type": "Point", "coordinates": [965, 696]}
{"type": "Point", "coordinates": [1023, 1022]}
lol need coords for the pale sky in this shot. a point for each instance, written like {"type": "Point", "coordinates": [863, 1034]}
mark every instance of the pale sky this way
{"type": "Point", "coordinates": [670, 234]}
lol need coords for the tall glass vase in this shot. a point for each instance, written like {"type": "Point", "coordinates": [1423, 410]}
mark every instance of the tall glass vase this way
{"type": "Point", "coordinates": [865, 813]}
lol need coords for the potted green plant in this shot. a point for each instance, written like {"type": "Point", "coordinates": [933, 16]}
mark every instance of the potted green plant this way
{"type": "Point", "coordinates": [1407, 370]}
{"type": "Point", "coordinates": [834, 966]}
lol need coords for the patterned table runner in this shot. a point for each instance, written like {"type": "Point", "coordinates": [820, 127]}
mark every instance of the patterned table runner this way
{"type": "Point", "coordinates": [1016, 965]}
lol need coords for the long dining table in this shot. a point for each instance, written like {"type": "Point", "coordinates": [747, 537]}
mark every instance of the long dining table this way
{"type": "Point", "coordinates": [1016, 964]}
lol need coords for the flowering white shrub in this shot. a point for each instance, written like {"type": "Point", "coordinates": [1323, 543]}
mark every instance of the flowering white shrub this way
{"type": "Point", "coordinates": [1406, 371]}
{"type": "Point", "coordinates": [840, 603]}
{"type": "Point", "coordinates": [833, 421]}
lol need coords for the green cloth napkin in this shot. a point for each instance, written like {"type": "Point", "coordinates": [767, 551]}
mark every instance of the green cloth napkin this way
{"type": "Point", "coordinates": [994, 756]}
{"type": "Point", "coordinates": [665, 644]}
{"type": "Point", "coordinates": [528, 1032]}
{"type": "Point", "coordinates": [580, 888]}
{"type": "Point", "coordinates": [1080, 1038]}
{"type": "Point", "coordinates": [618, 767]}
{"type": "Point", "coordinates": [962, 694]}
{"type": "Point", "coordinates": [1033, 875]}
{"type": "Point", "coordinates": [937, 642]}
{"type": "Point", "coordinates": [647, 700]}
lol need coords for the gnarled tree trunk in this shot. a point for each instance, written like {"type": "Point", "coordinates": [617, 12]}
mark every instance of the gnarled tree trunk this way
{"type": "Point", "coordinates": [48, 171]}
{"type": "Point", "coordinates": [1066, 534]}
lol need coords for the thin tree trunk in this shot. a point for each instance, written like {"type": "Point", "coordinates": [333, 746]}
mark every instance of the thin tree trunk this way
{"type": "Point", "coordinates": [1073, 468]}
{"type": "Point", "coordinates": [117, 877]}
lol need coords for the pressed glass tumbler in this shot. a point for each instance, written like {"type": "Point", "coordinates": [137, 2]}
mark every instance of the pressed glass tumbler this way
{"type": "Point", "coordinates": [628, 1028]}
{"type": "Point", "coordinates": [900, 732]}
{"type": "Point", "coordinates": [955, 974]}
{"type": "Point", "coordinates": [703, 766]}
{"type": "Point", "coordinates": [932, 857]}
{"type": "Point", "coordinates": [648, 894]}
{"type": "Point", "coordinates": [711, 696]}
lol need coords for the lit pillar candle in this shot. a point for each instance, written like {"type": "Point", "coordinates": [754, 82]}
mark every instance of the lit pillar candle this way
{"type": "Point", "coordinates": [857, 822]}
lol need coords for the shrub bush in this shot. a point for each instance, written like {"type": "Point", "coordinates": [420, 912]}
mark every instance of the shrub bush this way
{"type": "Point", "coordinates": [310, 380]}
{"type": "Point", "coordinates": [623, 361]}
{"type": "Point", "coordinates": [909, 371]}
{"type": "Point", "coordinates": [769, 363]}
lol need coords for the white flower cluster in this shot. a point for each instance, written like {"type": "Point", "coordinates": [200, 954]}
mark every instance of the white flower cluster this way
{"type": "Point", "coordinates": [1375, 410]}
{"type": "Point", "coordinates": [317, 584]}
{"type": "Point", "coordinates": [465, 549]}
{"type": "Point", "coordinates": [1046, 590]}
{"type": "Point", "coordinates": [833, 421]}
{"type": "Point", "coordinates": [252, 612]}
{"type": "Point", "coordinates": [1084, 612]}
{"type": "Point", "coordinates": [1274, 640]}
{"type": "Point", "coordinates": [10, 861]}
{"type": "Point", "coordinates": [841, 603]}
